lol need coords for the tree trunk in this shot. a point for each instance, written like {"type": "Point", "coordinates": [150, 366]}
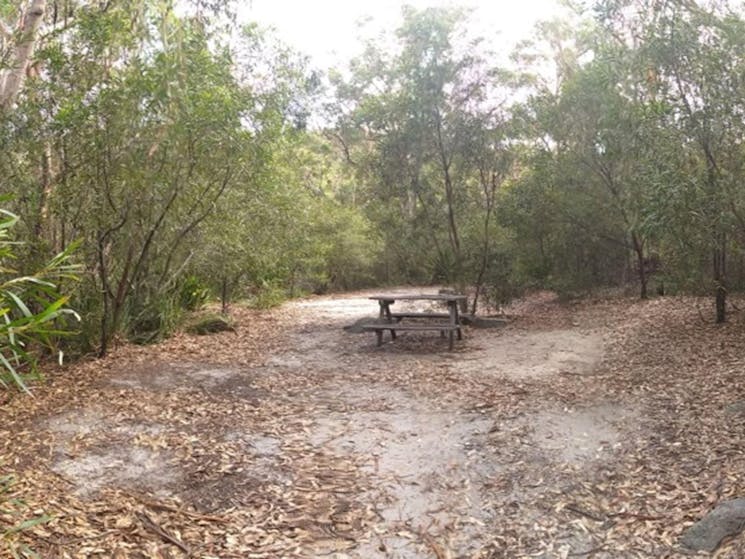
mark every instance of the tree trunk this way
{"type": "Point", "coordinates": [445, 162]}
{"type": "Point", "coordinates": [639, 250]}
{"type": "Point", "coordinates": [224, 291]}
{"type": "Point", "coordinates": [11, 79]}
{"type": "Point", "coordinates": [489, 187]}
{"type": "Point", "coordinates": [122, 290]}
{"type": "Point", "coordinates": [720, 282]}
{"type": "Point", "coordinates": [103, 347]}
{"type": "Point", "coordinates": [105, 298]}
{"type": "Point", "coordinates": [475, 303]}
{"type": "Point", "coordinates": [40, 228]}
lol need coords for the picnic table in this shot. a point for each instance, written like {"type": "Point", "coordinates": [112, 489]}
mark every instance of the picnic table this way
{"type": "Point", "coordinates": [445, 322]}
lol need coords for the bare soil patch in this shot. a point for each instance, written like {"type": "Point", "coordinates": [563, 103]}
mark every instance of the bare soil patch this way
{"type": "Point", "coordinates": [537, 354]}
{"type": "Point", "coordinates": [579, 437]}
{"type": "Point", "coordinates": [578, 430]}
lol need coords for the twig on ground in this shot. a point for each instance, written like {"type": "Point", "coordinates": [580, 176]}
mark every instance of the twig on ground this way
{"type": "Point", "coordinates": [150, 524]}
{"type": "Point", "coordinates": [435, 547]}
{"type": "Point", "coordinates": [586, 513]}
{"type": "Point", "coordinates": [588, 552]}
{"type": "Point", "coordinates": [193, 515]}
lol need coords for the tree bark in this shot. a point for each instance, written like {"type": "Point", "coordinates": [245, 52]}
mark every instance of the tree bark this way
{"type": "Point", "coordinates": [449, 192]}
{"type": "Point", "coordinates": [489, 187]}
{"type": "Point", "coordinates": [45, 194]}
{"type": "Point", "coordinates": [638, 245]}
{"type": "Point", "coordinates": [11, 80]}
{"type": "Point", "coordinates": [720, 282]}
{"type": "Point", "coordinates": [224, 292]}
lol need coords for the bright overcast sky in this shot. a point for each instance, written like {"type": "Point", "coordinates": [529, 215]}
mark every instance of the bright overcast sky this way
{"type": "Point", "coordinates": [327, 30]}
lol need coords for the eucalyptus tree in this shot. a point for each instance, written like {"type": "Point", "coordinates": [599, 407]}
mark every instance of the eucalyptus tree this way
{"type": "Point", "coordinates": [19, 28]}
{"type": "Point", "coordinates": [411, 115]}
{"type": "Point", "coordinates": [126, 139]}
{"type": "Point", "coordinates": [610, 146]}
{"type": "Point", "coordinates": [576, 204]}
{"type": "Point", "coordinates": [164, 141]}
{"type": "Point", "coordinates": [143, 130]}
{"type": "Point", "coordinates": [694, 59]}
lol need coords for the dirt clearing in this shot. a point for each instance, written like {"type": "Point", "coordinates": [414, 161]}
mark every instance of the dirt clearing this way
{"type": "Point", "coordinates": [575, 431]}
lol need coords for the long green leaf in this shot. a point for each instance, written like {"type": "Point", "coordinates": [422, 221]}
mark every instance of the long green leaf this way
{"type": "Point", "coordinates": [16, 377]}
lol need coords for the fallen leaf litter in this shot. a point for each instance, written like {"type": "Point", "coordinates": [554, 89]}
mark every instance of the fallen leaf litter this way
{"type": "Point", "coordinates": [607, 429]}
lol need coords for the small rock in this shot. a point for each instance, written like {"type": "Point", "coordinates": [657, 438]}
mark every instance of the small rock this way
{"type": "Point", "coordinates": [736, 408]}
{"type": "Point", "coordinates": [211, 325]}
{"type": "Point", "coordinates": [727, 519]}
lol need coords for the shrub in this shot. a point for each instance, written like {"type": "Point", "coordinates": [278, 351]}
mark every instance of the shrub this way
{"type": "Point", "coordinates": [269, 295]}
{"type": "Point", "coordinates": [194, 294]}
{"type": "Point", "coordinates": [32, 310]}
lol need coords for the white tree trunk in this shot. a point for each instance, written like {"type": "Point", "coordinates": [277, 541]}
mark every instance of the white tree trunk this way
{"type": "Point", "coordinates": [11, 79]}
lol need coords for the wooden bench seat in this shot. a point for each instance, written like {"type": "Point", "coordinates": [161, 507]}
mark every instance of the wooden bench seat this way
{"type": "Point", "coordinates": [400, 315]}
{"type": "Point", "coordinates": [380, 327]}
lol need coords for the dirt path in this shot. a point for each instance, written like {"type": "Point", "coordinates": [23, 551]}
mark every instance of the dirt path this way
{"type": "Point", "coordinates": [436, 453]}
{"type": "Point", "coordinates": [546, 438]}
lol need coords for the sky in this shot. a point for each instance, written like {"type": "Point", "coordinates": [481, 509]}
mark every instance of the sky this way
{"type": "Point", "coordinates": [327, 30]}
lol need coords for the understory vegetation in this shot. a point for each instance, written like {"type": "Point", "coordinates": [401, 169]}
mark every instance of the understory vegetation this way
{"type": "Point", "coordinates": [176, 157]}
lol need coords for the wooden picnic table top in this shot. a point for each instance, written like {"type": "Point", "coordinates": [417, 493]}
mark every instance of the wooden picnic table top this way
{"type": "Point", "coordinates": [419, 297]}
{"type": "Point", "coordinates": [393, 320]}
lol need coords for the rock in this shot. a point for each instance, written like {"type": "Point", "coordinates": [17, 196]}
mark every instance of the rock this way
{"type": "Point", "coordinates": [727, 519]}
{"type": "Point", "coordinates": [483, 321]}
{"type": "Point", "coordinates": [736, 408]}
{"type": "Point", "coordinates": [211, 325]}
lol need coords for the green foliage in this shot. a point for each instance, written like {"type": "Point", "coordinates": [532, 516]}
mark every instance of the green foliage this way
{"type": "Point", "coordinates": [32, 309]}
{"type": "Point", "coordinates": [287, 233]}
{"type": "Point", "coordinates": [194, 293]}
{"type": "Point", "coordinates": [154, 143]}
{"type": "Point", "coordinates": [268, 295]}
{"type": "Point", "coordinates": [189, 162]}
{"type": "Point", "coordinates": [13, 517]}
{"type": "Point", "coordinates": [154, 319]}
{"type": "Point", "coordinates": [425, 135]}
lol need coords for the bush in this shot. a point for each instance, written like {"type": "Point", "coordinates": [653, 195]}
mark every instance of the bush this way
{"type": "Point", "coordinates": [156, 320]}
{"type": "Point", "coordinates": [32, 309]}
{"type": "Point", "coordinates": [269, 295]}
{"type": "Point", "coordinates": [194, 294]}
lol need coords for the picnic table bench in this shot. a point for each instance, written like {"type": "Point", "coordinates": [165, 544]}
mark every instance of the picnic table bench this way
{"type": "Point", "coordinates": [393, 321]}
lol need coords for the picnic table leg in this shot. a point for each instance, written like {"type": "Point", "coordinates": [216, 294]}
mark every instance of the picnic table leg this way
{"type": "Point", "coordinates": [385, 313]}
{"type": "Point", "coordinates": [455, 318]}
{"type": "Point", "coordinates": [379, 336]}
{"type": "Point", "coordinates": [450, 341]}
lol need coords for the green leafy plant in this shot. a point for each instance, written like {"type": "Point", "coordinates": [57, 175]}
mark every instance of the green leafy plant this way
{"type": "Point", "coordinates": [194, 293]}
{"type": "Point", "coordinates": [12, 521]}
{"type": "Point", "coordinates": [32, 309]}
{"type": "Point", "coordinates": [270, 295]}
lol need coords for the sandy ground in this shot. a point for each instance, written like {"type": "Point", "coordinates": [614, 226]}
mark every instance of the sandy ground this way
{"type": "Point", "coordinates": [438, 466]}
{"type": "Point", "coordinates": [296, 438]}
{"type": "Point", "coordinates": [433, 464]}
